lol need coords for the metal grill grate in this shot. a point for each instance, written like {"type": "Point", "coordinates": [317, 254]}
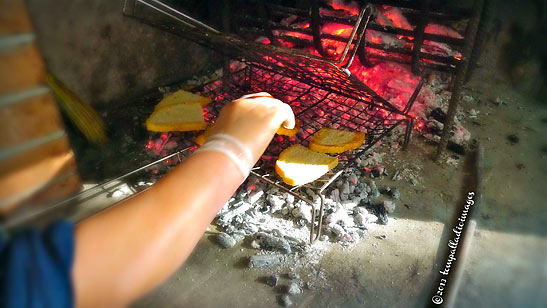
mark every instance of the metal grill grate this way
{"type": "Point", "coordinates": [315, 108]}
{"type": "Point", "coordinates": [322, 93]}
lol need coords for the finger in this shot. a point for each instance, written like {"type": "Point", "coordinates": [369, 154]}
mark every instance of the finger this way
{"type": "Point", "coordinates": [284, 114]}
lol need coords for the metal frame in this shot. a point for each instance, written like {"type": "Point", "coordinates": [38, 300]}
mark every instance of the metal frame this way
{"type": "Point", "coordinates": [324, 78]}
{"type": "Point", "coordinates": [307, 102]}
{"type": "Point", "coordinates": [409, 54]}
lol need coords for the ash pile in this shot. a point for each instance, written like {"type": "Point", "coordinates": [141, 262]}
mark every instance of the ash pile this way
{"type": "Point", "coordinates": [277, 224]}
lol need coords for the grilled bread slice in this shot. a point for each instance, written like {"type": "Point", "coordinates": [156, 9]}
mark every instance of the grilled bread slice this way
{"type": "Point", "coordinates": [298, 165]}
{"type": "Point", "coordinates": [182, 97]}
{"type": "Point", "coordinates": [200, 140]}
{"type": "Point", "coordinates": [328, 140]}
{"type": "Point", "coordinates": [289, 132]}
{"type": "Point", "coordinates": [182, 117]}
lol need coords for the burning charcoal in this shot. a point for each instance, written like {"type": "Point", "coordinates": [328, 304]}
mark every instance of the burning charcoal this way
{"type": "Point", "coordinates": [255, 195]}
{"type": "Point", "coordinates": [238, 209]}
{"type": "Point", "coordinates": [255, 244]}
{"type": "Point", "coordinates": [312, 194]}
{"type": "Point", "coordinates": [276, 202]}
{"type": "Point", "coordinates": [310, 285]}
{"type": "Point", "coordinates": [293, 275]}
{"type": "Point", "coordinates": [353, 179]}
{"type": "Point", "coordinates": [225, 240]}
{"type": "Point", "coordinates": [289, 198]}
{"type": "Point", "coordinates": [363, 218]}
{"type": "Point", "coordinates": [359, 210]}
{"type": "Point", "coordinates": [302, 210]}
{"type": "Point", "coordinates": [238, 236]}
{"type": "Point", "coordinates": [252, 184]}
{"type": "Point", "coordinates": [294, 288]}
{"type": "Point", "coordinates": [385, 190]}
{"type": "Point", "coordinates": [380, 211]}
{"type": "Point", "coordinates": [350, 204]}
{"type": "Point", "coordinates": [285, 300]}
{"type": "Point", "coordinates": [335, 195]}
{"type": "Point", "coordinates": [338, 231]}
{"type": "Point", "coordinates": [378, 171]}
{"type": "Point", "coordinates": [395, 193]}
{"type": "Point", "coordinates": [296, 245]}
{"type": "Point", "coordinates": [344, 191]}
{"type": "Point", "coordinates": [363, 197]}
{"type": "Point", "coordinates": [272, 280]}
{"type": "Point", "coordinates": [438, 114]}
{"type": "Point", "coordinates": [513, 139]}
{"type": "Point", "coordinates": [270, 242]}
{"type": "Point", "coordinates": [359, 219]}
{"type": "Point", "coordinates": [339, 216]}
{"type": "Point", "coordinates": [456, 148]}
{"type": "Point", "coordinates": [250, 228]}
{"type": "Point", "coordinates": [435, 126]}
{"type": "Point", "coordinates": [373, 185]}
{"type": "Point", "coordinates": [262, 261]}
{"type": "Point", "coordinates": [375, 193]}
{"type": "Point", "coordinates": [389, 206]}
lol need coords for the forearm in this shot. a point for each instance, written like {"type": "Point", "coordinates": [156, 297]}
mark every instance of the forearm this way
{"type": "Point", "coordinates": [143, 240]}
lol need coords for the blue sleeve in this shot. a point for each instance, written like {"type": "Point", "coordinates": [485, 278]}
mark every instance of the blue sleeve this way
{"type": "Point", "coordinates": [35, 268]}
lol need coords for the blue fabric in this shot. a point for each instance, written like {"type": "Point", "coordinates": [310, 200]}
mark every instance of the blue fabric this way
{"type": "Point", "coordinates": [35, 268]}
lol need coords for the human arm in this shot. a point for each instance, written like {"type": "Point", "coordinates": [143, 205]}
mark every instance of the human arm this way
{"type": "Point", "coordinates": [124, 252]}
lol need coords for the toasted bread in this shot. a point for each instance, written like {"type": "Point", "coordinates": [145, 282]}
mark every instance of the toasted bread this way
{"type": "Point", "coordinates": [298, 165]}
{"type": "Point", "coordinates": [182, 97]}
{"type": "Point", "coordinates": [328, 140]}
{"type": "Point", "coordinates": [289, 132]}
{"type": "Point", "coordinates": [200, 140]}
{"type": "Point", "coordinates": [182, 117]}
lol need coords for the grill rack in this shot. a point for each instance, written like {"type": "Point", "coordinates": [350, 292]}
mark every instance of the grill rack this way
{"type": "Point", "coordinates": [304, 81]}
{"type": "Point", "coordinates": [327, 74]}
{"type": "Point", "coordinates": [315, 108]}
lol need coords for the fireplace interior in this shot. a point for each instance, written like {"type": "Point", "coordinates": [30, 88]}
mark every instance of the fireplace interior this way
{"type": "Point", "coordinates": [421, 79]}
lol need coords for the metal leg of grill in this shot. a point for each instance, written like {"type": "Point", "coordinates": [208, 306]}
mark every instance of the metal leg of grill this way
{"type": "Point", "coordinates": [319, 215]}
{"type": "Point", "coordinates": [408, 132]}
{"type": "Point", "coordinates": [470, 34]}
{"type": "Point", "coordinates": [419, 36]}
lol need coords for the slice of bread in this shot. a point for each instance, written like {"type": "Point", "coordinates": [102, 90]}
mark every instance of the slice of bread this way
{"type": "Point", "coordinates": [182, 97]}
{"type": "Point", "coordinates": [298, 165]}
{"type": "Point", "coordinates": [200, 140]}
{"type": "Point", "coordinates": [184, 117]}
{"type": "Point", "coordinates": [289, 132]}
{"type": "Point", "coordinates": [328, 140]}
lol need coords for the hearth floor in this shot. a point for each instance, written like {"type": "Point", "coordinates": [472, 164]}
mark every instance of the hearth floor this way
{"type": "Point", "coordinates": [506, 265]}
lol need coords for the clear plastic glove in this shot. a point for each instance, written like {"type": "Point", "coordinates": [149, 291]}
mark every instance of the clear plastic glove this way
{"type": "Point", "coordinates": [253, 120]}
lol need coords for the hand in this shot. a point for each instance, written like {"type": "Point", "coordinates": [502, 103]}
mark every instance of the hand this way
{"type": "Point", "coordinates": [253, 119]}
